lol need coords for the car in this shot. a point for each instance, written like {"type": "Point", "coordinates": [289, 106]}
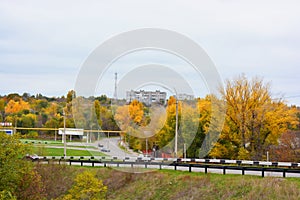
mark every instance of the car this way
{"type": "Point", "coordinates": [144, 157]}
{"type": "Point", "coordinates": [100, 145]}
{"type": "Point", "coordinates": [141, 155]}
{"type": "Point", "coordinates": [105, 150]}
{"type": "Point", "coordinates": [32, 157]}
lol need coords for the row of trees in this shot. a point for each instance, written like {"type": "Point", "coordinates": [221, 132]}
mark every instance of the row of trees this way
{"type": "Point", "coordinates": [254, 122]}
{"type": "Point", "coordinates": [39, 111]}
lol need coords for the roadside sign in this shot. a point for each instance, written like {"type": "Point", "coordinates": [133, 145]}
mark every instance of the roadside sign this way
{"type": "Point", "coordinates": [8, 131]}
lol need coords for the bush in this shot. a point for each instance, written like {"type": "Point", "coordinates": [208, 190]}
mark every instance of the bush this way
{"type": "Point", "coordinates": [86, 186]}
{"type": "Point", "coordinates": [12, 168]}
{"type": "Point", "coordinates": [32, 134]}
{"type": "Point", "coordinates": [7, 195]}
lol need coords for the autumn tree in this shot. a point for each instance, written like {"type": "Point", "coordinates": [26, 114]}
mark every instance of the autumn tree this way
{"type": "Point", "coordinates": [136, 111]}
{"type": "Point", "coordinates": [288, 149]}
{"type": "Point", "coordinates": [14, 107]}
{"type": "Point", "coordinates": [167, 133]}
{"type": "Point", "coordinates": [104, 116]}
{"type": "Point", "coordinates": [71, 95]}
{"type": "Point", "coordinates": [254, 120]}
{"type": "Point", "coordinates": [54, 117]}
{"type": "Point", "coordinates": [83, 111]}
{"type": "Point", "coordinates": [86, 186]}
{"type": "Point", "coordinates": [132, 118]}
{"type": "Point", "coordinates": [195, 125]}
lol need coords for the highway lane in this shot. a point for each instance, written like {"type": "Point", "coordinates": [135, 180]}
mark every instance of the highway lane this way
{"type": "Point", "coordinates": [112, 144]}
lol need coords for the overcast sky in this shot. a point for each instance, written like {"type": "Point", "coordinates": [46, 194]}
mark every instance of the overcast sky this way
{"type": "Point", "coordinates": [43, 44]}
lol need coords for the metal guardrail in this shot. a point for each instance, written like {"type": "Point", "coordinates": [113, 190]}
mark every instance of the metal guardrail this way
{"type": "Point", "coordinates": [180, 160]}
{"type": "Point", "coordinates": [205, 164]}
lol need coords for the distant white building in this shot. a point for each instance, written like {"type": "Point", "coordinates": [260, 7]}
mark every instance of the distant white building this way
{"type": "Point", "coordinates": [184, 96]}
{"type": "Point", "coordinates": [146, 97]}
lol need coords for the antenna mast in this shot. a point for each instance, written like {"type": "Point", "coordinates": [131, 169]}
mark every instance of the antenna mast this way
{"type": "Point", "coordinates": [115, 93]}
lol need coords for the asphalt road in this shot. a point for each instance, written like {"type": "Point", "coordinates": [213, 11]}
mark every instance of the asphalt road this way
{"type": "Point", "coordinates": [114, 149]}
{"type": "Point", "coordinates": [137, 169]}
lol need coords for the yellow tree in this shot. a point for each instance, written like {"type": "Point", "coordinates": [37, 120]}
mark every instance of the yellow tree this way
{"type": "Point", "coordinates": [211, 121]}
{"type": "Point", "coordinates": [86, 186]}
{"type": "Point", "coordinates": [130, 118]}
{"type": "Point", "coordinates": [14, 107]}
{"type": "Point", "coordinates": [122, 117]}
{"type": "Point", "coordinates": [136, 111]}
{"type": "Point", "coordinates": [254, 120]}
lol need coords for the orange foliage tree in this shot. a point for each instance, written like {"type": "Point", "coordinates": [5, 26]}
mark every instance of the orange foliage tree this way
{"type": "Point", "coordinates": [14, 107]}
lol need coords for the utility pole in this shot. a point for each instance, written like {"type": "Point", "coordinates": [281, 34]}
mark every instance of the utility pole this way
{"type": "Point", "coordinates": [55, 133]}
{"type": "Point", "coordinates": [176, 127]}
{"type": "Point", "coordinates": [116, 85]}
{"type": "Point", "coordinates": [146, 147]}
{"type": "Point", "coordinates": [16, 119]}
{"type": "Point", "coordinates": [65, 141]}
{"type": "Point", "coordinates": [184, 150]}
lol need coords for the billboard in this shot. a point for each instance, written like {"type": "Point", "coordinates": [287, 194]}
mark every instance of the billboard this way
{"type": "Point", "coordinates": [70, 131]}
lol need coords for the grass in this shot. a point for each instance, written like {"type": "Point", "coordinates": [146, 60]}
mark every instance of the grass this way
{"type": "Point", "coordinates": [169, 184]}
{"type": "Point", "coordinates": [69, 145]}
{"type": "Point", "coordinates": [34, 141]}
{"type": "Point", "coordinates": [45, 151]}
{"type": "Point", "coordinates": [54, 143]}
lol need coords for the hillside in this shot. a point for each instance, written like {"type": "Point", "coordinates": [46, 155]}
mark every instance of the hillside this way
{"type": "Point", "coordinates": [168, 184]}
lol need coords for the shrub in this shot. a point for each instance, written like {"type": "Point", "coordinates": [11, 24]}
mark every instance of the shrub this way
{"type": "Point", "coordinates": [86, 186]}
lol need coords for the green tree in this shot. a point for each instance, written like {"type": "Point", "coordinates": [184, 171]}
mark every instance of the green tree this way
{"type": "Point", "coordinates": [27, 121]}
{"type": "Point", "coordinates": [71, 95]}
{"type": "Point", "coordinates": [86, 186]}
{"type": "Point", "coordinates": [13, 169]}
